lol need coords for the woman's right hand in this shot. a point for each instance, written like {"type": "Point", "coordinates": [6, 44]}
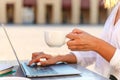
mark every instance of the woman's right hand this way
{"type": "Point", "coordinates": [38, 56]}
{"type": "Point", "coordinates": [50, 60]}
{"type": "Point", "coordinates": [82, 41]}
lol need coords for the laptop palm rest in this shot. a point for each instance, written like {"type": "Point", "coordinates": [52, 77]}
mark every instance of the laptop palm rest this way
{"type": "Point", "coordinates": [54, 70]}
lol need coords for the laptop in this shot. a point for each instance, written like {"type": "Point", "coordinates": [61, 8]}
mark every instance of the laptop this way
{"type": "Point", "coordinates": [37, 71]}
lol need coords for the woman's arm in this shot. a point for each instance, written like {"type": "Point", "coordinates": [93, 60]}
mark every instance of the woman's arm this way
{"type": "Point", "coordinates": [105, 49]}
{"type": "Point", "coordinates": [82, 41]}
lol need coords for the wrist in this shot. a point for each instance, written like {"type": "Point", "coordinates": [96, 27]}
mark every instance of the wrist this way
{"type": "Point", "coordinates": [98, 45]}
{"type": "Point", "coordinates": [60, 58]}
{"type": "Point", "coordinates": [69, 58]}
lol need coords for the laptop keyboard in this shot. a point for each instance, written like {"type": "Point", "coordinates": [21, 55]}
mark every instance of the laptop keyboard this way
{"type": "Point", "coordinates": [40, 70]}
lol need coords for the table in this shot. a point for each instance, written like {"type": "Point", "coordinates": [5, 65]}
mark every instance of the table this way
{"type": "Point", "coordinates": [84, 75]}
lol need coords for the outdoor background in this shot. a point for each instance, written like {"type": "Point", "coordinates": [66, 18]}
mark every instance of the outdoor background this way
{"type": "Point", "coordinates": [26, 21]}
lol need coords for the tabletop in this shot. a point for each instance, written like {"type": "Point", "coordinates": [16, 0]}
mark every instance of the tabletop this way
{"type": "Point", "coordinates": [84, 75]}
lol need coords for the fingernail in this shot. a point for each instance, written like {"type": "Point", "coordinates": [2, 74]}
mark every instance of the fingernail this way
{"type": "Point", "coordinates": [32, 64]}
{"type": "Point", "coordinates": [39, 63]}
{"type": "Point", "coordinates": [42, 59]}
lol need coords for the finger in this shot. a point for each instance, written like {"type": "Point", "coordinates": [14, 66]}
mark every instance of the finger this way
{"type": "Point", "coordinates": [38, 58]}
{"type": "Point", "coordinates": [39, 64]}
{"type": "Point", "coordinates": [46, 63]}
{"type": "Point", "coordinates": [35, 60]}
{"type": "Point", "coordinates": [70, 43]}
{"type": "Point", "coordinates": [72, 36]}
{"type": "Point", "coordinates": [35, 54]}
{"type": "Point", "coordinates": [41, 60]}
{"type": "Point", "coordinates": [43, 63]}
{"type": "Point", "coordinates": [75, 42]}
{"type": "Point", "coordinates": [49, 62]}
{"type": "Point", "coordinates": [77, 48]}
{"type": "Point", "coordinates": [73, 48]}
{"type": "Point", "coordinates": [78, 31]}
{"type": "Point", "coordinates": [41, 55]}
{"type": "Point", "coordinates": [47, 56]}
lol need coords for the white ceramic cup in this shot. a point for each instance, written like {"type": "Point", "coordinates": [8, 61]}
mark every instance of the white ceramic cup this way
{"type": "Point", "coordinates": [54, 38]}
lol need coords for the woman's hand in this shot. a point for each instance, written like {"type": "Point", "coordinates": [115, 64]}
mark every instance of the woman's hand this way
{"type": "Point", "coordinates": [81, 41]}
{"type": "Point", "coordinates": [38, 56]}
{"type": "Point", "coordinates": [50, 60]}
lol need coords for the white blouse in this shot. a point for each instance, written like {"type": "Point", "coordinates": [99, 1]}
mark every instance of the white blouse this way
{"type": "Point", "coordinates": [111, 34]}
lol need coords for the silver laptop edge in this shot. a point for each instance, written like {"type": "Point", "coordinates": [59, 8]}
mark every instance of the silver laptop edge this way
{"type": "Point", "coordinates": [6, 33]}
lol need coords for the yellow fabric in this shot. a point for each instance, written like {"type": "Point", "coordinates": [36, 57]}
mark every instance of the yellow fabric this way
{"type": "Point", "coordinates": [110, 3]}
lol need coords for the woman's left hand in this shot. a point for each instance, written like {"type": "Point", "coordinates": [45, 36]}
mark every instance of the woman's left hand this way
{"type": "Point", "coordinates": [81, 41]}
